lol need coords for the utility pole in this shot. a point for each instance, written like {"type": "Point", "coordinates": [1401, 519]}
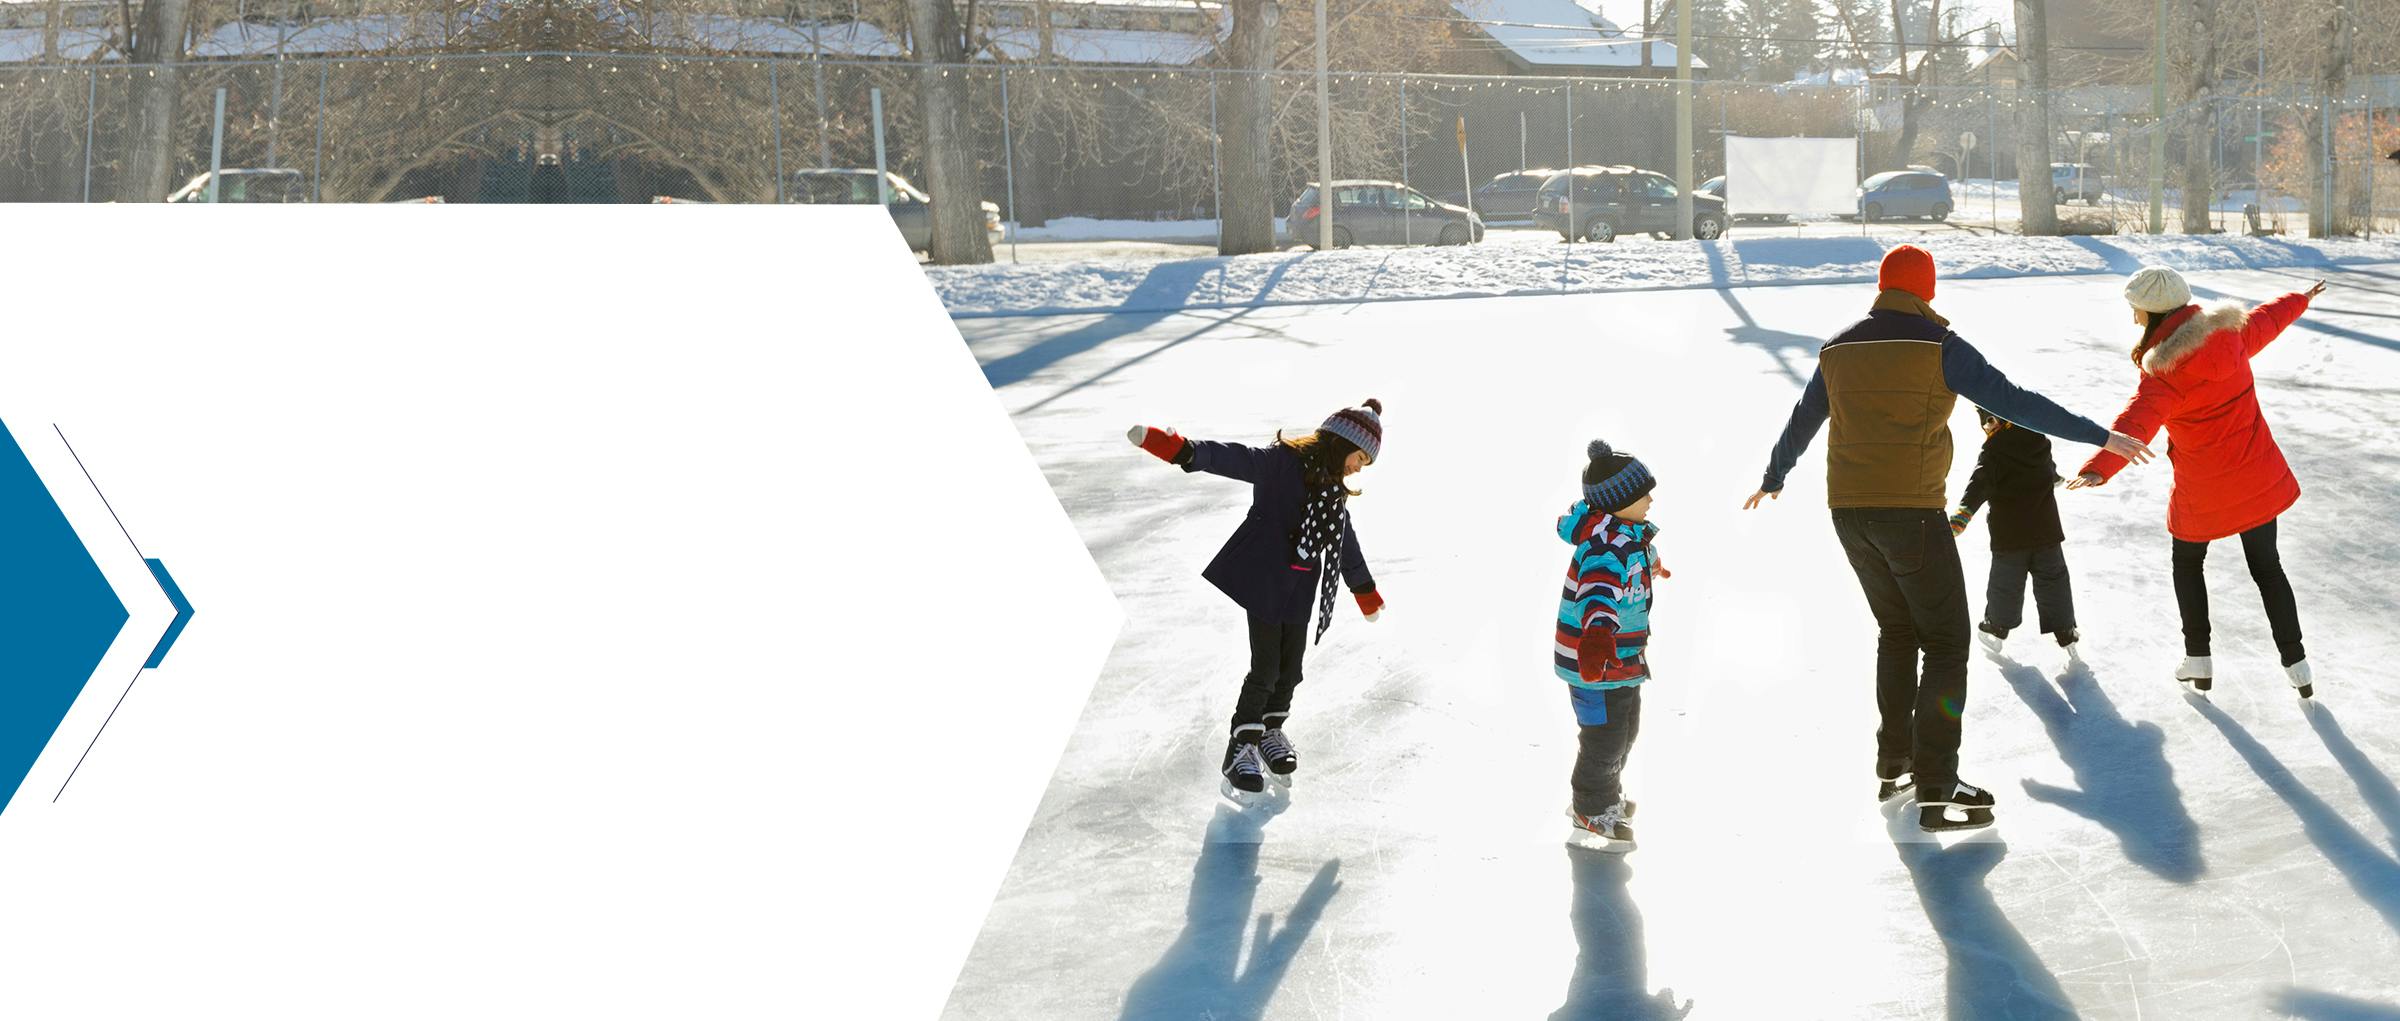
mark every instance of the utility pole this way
{"type": "Point", "coordinates": [1683, 120]}
{"type": "Point", "coordinates": [2158, 124]}
{"type": "Point", "coordinates": [1325, 144]}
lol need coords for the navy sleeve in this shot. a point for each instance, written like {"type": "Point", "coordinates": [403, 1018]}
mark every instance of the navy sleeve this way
{"type": "Point", "coordinates": [1354, 560]}
{"type": "Point", "coordinates": [1232, 460]}
{"type": "Point", "coordinates": [1808, 416]}
{"type": "Point", "coordinates": [1966, 374]}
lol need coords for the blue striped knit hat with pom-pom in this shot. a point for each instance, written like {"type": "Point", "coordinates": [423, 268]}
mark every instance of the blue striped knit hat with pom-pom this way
{"type": "Point", "coordinates": [1614, 481]}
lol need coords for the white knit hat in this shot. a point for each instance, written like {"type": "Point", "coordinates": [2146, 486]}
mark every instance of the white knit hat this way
{"type": "Point", "coordinates": [2157, 289]}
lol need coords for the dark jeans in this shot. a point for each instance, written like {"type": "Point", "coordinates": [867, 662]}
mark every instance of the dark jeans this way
{"type": "Point", "coordinates": [1907, 564]}
{"type": "Point", "coordinates": [2266, 568]}
{"type": "Point", "coordinates": [1602, 749]}
{"type": "Point", "coordinates": [2053, 599]}
{"type": "Point", "coordinates": [1275, 650]}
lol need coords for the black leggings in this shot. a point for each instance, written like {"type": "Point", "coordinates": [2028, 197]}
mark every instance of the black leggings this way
{"type": "Point", "coordinates": [1276, 648]}
{"type": "Point", "coordinates": [2266, 568]}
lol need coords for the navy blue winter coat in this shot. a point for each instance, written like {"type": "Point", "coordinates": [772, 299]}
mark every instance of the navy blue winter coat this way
{"type": "Point", "coordinates": [1255, 567]}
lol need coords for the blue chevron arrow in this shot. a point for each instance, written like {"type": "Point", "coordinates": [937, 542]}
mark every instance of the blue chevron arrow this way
{"type": "Point", "coordinates": [183, 612]}
{"type": "Point", "coordinates": [58, 616]}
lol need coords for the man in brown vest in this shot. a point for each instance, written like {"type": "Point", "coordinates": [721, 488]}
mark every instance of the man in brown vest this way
{"type": "Point", "coordinates": [1889, 384]}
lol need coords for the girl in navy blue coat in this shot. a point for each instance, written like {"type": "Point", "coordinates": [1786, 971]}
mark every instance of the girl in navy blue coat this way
{"type": "Point", "coordinates": [1280, 564]}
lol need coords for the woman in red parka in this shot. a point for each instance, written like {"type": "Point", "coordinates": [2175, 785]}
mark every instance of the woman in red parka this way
{"type": "Point", "coordinates": [2230, 478]}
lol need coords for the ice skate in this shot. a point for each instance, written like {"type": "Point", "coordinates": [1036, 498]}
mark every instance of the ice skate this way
{"type": "Point", "coordinates": [1607, 831]}
{"type": "Point", "coordinates": [1281, 760]}
{"type": "Point", "coordinates": [2196, 675]}
{"type": "Point", "coordinates": [2301, 681]}
{"type": "Point", "coordinates": [2070, 642]}
{"type": "Point", "coordinates": [1893, 779]}
{"type": "Point", "coordinates": [1960, 806]}
{"type": "Point", "coordinates": [1245, 775]}
{"type": "Point", "coordinates": [1990, 639]}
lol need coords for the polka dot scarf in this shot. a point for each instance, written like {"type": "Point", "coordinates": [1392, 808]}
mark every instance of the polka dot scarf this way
{"type": "Point", "coordinates": [1320, 548]}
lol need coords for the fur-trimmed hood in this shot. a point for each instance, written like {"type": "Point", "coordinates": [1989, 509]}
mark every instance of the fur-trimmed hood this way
{"type": "Point", "coordinates": [2190, 336]}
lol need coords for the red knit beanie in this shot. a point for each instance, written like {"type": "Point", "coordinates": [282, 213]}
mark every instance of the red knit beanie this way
{"type": "Point", "coordinates": [1908, 268]}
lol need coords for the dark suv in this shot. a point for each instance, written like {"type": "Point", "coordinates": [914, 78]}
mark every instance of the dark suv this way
{"type": "Point", "coordinates": [1622, 200]}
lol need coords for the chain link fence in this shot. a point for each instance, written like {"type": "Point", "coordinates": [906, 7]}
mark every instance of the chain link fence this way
{"type": "Point", "coordinates": [1086, 160]}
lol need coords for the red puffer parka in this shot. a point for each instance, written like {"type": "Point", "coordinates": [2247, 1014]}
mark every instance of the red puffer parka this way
{"type": "Point", "coordinates": [2230, 476]}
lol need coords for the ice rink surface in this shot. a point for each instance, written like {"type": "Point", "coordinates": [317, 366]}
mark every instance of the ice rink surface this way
{"type": "Point", "coordinates": [2156, 857]}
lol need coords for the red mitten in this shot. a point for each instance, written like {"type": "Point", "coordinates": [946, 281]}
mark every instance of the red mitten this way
{"type": "Point", "coordinates": [1596, 653]}
{"type": "Point", "coordinates": [1161, 443]}
{"type": "Point", "coordinates": [1369, 603]}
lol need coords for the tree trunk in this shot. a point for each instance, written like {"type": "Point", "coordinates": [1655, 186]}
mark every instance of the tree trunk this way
{"type": "Point", "coordinates": [2325, 216]}
{"type": "Point", "coordinates": [2199, 179]}
{"type": "Point", "coordinates": [150, 132]}
{"type": "Point", "coordinates": [52, 21]}
{"type": "Point", "coordinates": [958, 236]}
{"type": "Point", "coordinates": [2037, 204]}
{"type": "Point", "coordinates": [1245, 114]}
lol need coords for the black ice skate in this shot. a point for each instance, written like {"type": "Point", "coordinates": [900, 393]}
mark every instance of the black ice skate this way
{"type": "Point", "coordinates": [2196, 674]}
{"type": "Point", "coordinates": [1990, 638]}
{"type": "Point", "coordinates": [1281, 760]}
{"type": "Point", "coordinates": [1893, 779]}
{"type": "Point", "coordinates": [1609, 831]}
{"type": "Point", "coordinates": [1972, 807]}
{"type": "Point", "coordinates": [1245, 775]}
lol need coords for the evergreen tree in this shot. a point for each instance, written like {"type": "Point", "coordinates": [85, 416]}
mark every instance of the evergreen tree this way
{"type": "Point", "coordinates": [1796, 26]}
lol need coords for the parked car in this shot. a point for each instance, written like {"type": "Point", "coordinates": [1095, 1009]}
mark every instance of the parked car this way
{"type": "Point", "coordinates": [1609, 201]}
{"type": "Point", "coordinates": [278, 185]}
{"type": "Point", "coordinates": [1715, 188]}
{"type": "Point", "coordinates": [1897, 193]}
{"type": "Point", "coordinates": [911, 209]}
{"type": "Point", "coordinates": [1381, 213]}
{"type": "Point", "coordinates": [2071, 181]}
{"type": "Point", "coordinates": [1510, 196]}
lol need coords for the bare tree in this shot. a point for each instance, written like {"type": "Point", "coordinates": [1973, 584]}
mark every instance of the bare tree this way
{"type": "Point", "coordinates": [1914, 100]}
{"type": "Point", "coordinates": [1248, 214]}
{"type": "Point", "coordinates": [2326, 215]}
{"type": "Point", "coordinates": [940, 47]}
{"type": "Point", "coordinates": [158, 40]}
{"type": "Point", "coordinates": [2037, 202]}
{"type": "Point", "coordinates": [2199, 85]}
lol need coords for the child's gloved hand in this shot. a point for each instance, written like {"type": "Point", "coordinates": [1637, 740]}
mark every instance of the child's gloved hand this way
{"type": "Point", "coordinates": [1163, 444]}
{"type": "Point", "coordinates": [1595, 653]}
{"type": "Point", "coordinates": [1369, 603]}
{"type": "Point", "coordinates": [1958, 521]}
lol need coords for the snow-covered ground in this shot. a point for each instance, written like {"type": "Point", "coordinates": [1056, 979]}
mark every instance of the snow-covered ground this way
{"type": "Point", "coordinates": [2155, 857]}
{"type": "Point", "coordinates": [1383, 274]}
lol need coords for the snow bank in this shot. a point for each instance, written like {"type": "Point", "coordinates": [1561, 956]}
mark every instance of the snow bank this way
{"type": "Point", "coordinates": [1298, 278]}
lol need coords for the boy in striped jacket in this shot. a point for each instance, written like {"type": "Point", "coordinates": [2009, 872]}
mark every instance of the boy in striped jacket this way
{"type": "Point", "coordinates": [1603, 632]}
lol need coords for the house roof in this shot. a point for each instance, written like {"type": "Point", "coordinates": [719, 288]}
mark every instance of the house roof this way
{"type": "Point", "coordinates": [1562, 33]}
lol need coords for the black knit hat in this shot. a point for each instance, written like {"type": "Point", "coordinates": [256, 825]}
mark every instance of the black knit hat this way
{"type": "Point", "coordinates": [1614, 481]}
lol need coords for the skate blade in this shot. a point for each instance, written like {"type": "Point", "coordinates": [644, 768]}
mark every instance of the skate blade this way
{"type": "Point", "coordinates": [1937, 819]}
{"type": "Point", "coordinates": [1591, 841]}
{"type": "Point", "coordinates": [1270, 801]}
{"type": "Point", "coordinates": [1283, 780]}
{"type": "Point", "coordinates": [2197, 685]}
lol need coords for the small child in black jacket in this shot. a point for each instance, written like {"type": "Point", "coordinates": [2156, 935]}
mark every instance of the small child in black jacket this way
{"type": "Point", "coordinates": [2016, 475]}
